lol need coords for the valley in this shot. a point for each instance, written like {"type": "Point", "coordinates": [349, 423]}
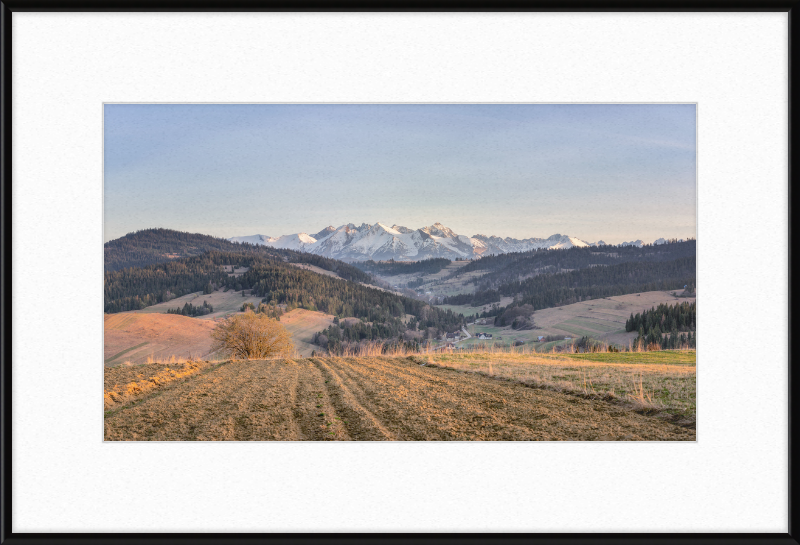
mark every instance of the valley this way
{"type": "Point", "coordinates": [602, 319]}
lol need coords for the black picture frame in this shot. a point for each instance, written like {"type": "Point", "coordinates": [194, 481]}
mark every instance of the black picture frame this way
{"type": "Point", "coordinates": [9, 7]}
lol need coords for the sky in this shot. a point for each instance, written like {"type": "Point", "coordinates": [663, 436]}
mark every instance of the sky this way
{"type": "Point", "coordinates": [596, 172]}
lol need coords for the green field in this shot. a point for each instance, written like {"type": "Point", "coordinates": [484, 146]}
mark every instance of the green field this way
{"type": "Point", "coordinates": [665, 357]}
{"type": "Point", "coordinates": [548, 346]}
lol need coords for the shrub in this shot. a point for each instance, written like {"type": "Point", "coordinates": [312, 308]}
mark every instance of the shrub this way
{"type": "Point", "coordinates": [251, 336]}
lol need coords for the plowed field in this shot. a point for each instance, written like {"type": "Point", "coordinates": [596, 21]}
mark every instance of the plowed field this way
{"type": "Point", "coordinates": [363, 399]}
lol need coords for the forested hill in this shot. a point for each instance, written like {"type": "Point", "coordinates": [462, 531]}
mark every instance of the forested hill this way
{"type": "Point", "coordinates": [555, 290]}
{"type": "Point", "coordinates": [150, 246]}
{"type": "Point", "coordinates": [276, 281]}
{"type": "Point", "coordinates": [509, 267]}
{"type": "Point", "coordinates": [154, 246]}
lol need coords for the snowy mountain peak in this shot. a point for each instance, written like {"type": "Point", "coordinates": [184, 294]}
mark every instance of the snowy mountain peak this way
{"type": "Point", "coordinates": [325, 232]}
{"type": "Point", "coordinates": [439, 230]}
{"type": "Point", "coordinates": [378, 227]}
{"type": "Point", "coordinates": [254, 239]}
{"type": "Point", "coordinates": [380, 242]}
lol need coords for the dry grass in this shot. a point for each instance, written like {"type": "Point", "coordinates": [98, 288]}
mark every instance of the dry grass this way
{"type": "Point", "coordinates": [302, 324]}
{"type": "Point", "coordinates": [361, 399]}
{"type": "Point", "coordinates": [224, 303]}
{"type": "Point", "coordinates": [659, 381]}
{"type": "Point", "coordinates": [134, 337]}
{"type": "Point", "coordinates": [147, 378]}
{"type": "Point", "coordinates": [668, 386]}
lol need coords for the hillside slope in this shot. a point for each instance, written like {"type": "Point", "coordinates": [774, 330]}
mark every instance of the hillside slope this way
{"type": "Point", "coordinates": [150, 246]}
{"type": "Point", "coordinates": [157, 246]}
{"type": "Point", "coordinates": [129, 336]}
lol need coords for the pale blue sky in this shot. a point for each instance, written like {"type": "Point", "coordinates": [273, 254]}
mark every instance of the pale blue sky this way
{"type": "Point", "coordinates": [610, 172]}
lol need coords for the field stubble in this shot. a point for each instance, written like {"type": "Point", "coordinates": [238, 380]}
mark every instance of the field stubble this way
{"type": "Point", "coordinates": [375, 398]}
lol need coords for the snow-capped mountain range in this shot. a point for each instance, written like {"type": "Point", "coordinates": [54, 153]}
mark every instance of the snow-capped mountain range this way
{"type": "Point", "coordinates": [380, 242]}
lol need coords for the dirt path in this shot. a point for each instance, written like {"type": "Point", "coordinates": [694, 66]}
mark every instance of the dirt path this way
{"type": "Point", "coordinates": [367, 399]}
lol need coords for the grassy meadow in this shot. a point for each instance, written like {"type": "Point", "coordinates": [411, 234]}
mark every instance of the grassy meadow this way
{"type": "Point", "coordinates": [662, 381]}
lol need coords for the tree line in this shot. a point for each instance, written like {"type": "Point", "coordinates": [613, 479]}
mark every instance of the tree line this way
{"type": "Point", "coordinates": [191, 310]}
{"type": "Point", "coordinates": [665, 326]}
{"type": "Point", "coordinates": [271, 310]}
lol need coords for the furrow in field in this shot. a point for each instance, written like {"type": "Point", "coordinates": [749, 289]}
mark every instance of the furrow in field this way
{"type": "Point", "coordinates": [234, 401]}
{"type": "Point", "coordinates": [313, 409]}
{"type": "Point", "coordinates": [366, 398]}
{"type": "Point", "coordinates": [422, 403]}
{"type": "Point", "coordinates": [349, 401]}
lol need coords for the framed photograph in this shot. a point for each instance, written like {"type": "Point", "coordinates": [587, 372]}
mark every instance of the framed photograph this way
{"type": "Point", "coordinates": [396, 273]}
{"type": "Point", "coordinates": [376, 331]}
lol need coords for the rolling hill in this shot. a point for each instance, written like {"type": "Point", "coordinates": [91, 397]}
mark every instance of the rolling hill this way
{"type": "Point", "coordinates": [133, 337]}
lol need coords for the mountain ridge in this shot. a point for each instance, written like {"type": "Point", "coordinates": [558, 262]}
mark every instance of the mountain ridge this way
{"type": "Point", "coordinates": [380, 242]}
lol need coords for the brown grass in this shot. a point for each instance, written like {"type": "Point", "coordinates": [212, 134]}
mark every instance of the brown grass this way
{"type": "Point", "coordinates": [154, 336]}
{"type": "Point", "coordinates": [132, 382]}
{"type": "Point", "coordinates": [659, 381]}
{"type": "Point", "coordinates": [224, 303]}
{"type": "Point", "coordinates": [362, 399]}
{"type": "Point", "coordinates": [168, 335]}
{"type": "Point", "coordinates": [302, 324]}
{"type": "Point", "coordinates": [664, 387]}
